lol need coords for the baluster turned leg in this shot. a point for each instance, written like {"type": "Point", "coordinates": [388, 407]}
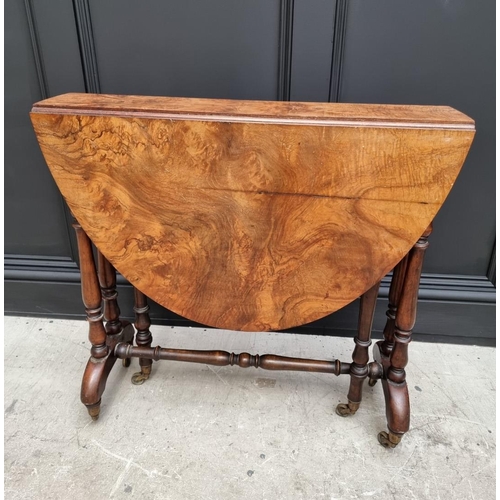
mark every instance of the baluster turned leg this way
{"type": "Point", "coordinates": [107, 281]}
{"type": "Point", "coordinates": [360, 356]}
{"type": "Point", "coordinates": [395, 291]}
{"type": "Point", "coordinates": [91, 295]}
{"type": "Point", "coordinates": [382, 350]}
{"type": "Point", "coordinates": [143, 336]}
{"type": "Point", "coordinates": [395, 387]}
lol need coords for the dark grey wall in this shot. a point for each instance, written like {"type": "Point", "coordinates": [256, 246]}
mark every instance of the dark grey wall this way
{"type": "Point", "coordinates": [389, 51]}
{"type": "Point", "coordinates": [34, 222]}
{"type": "Point", "coordinates": [433, 52]}
{"type": "Point", "coordinates": [212, 49]}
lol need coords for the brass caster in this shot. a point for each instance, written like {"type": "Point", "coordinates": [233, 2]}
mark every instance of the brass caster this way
{"type": "Point", "coordinates": [345, 410]}
{"type": "Point", "coordinates": [372, 381]}
{"type": "Point", "coordinates": [388, 440]}
{"type": "Point", "coordinates": [140, 377]}
{"type": "Point", "coordinates": [94, 410]}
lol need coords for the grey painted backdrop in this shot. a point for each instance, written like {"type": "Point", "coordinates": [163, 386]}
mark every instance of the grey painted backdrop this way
{"type": "Point", "coordinates": [389, 51]}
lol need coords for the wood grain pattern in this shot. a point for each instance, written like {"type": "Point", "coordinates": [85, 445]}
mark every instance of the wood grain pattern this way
{"type": "Point", "coordinates": [244, 223]}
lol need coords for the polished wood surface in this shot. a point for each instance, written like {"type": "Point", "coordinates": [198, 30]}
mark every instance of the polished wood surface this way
{"type": "Point", "coordinates": [251, 215]}
{"type": "Point", "coordinates": [230, 110]}
{"type": "Point", "coordinates": [392, 352]}
{"type": "Point", "coordinates": [224, 358]}
{"type": "Point", "coordinates": [359, 369]}
{"type": "Point", "coordinates": [102, 338]}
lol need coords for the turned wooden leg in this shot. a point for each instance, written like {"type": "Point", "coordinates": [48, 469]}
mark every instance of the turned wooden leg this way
{"type": "Point", "coordinates": [143, 336]}
{"type": "Point", "coordinates": [107, 281]}
{"type": "Point", "coordinates": [382, 349]}
{"type": "Point", "coordinates": [395, 388]}
{"type": "Point", "coordinates": [103, 339]}
{"type": "Point", "coordinates": [91, 294]}
{"type": "Point", "coordinates": [360, 355]}
{"type": "Point", "coordinates": [395, 292]}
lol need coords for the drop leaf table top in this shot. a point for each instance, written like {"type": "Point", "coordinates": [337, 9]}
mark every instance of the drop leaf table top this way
{"type": "Point", "coordinates": [296, 208]}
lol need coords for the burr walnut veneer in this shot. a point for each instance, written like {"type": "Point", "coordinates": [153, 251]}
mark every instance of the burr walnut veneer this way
{"type": "Point", "coordinates": [252, 216]}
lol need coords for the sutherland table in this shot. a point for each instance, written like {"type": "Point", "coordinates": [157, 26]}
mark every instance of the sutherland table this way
{"type": "Point", "coordinates": [252, 216]}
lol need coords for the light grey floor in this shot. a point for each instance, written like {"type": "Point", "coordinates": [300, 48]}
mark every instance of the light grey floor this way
{"type": "Point", "coordinates": [200, 432]}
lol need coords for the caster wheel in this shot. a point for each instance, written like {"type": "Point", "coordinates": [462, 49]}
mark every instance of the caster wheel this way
{"type": "Point", "coordinates": [388, 439]}
{"type": "Point", "coordinates": [94, 410]}
{"type": "Point", "coordinates": [345, 410]}
{"type": "Point", "coordinates": [140, 377]}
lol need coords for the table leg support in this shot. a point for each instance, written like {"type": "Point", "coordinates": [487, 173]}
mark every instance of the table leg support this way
{"type": "Point", "coordinates": [382, 349]}
{"type": "Point", "coordinates": [394, 384]}
{"type": "Point", "coordinates": [92, 388]}
{"type": "Point", "coordinates": [360, 357]}
{"type": "Point", "coordinates": [143, 337]}
{"type": "Point", "coordinates": [101, 359]}
{"type": "Point", "coordinates": [114, 326]}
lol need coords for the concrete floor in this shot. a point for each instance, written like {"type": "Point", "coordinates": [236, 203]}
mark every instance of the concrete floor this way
{"type": "Point", "coordinates": [200, 432]}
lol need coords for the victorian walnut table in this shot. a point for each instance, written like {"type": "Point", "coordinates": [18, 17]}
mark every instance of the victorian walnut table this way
{"type": "Point", "coordinates": [252, 216]}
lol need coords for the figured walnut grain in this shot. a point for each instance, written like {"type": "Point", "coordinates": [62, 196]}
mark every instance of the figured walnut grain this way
{"type": "Point", "coordinates": [246, 224]}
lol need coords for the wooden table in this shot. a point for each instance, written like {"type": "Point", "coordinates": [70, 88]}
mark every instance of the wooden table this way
{"type": "Point", "coordinates": [252, 216]}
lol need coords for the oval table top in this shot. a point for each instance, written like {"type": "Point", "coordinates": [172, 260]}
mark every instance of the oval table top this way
{"type": "Point", "coordinates": [251, 215]}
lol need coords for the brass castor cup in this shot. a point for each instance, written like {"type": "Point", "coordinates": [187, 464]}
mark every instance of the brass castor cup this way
{"type": "Point", "coordinates": [140, 377]}
{"type": "Point", "coordinates": [344, 410]}
{"type": "Point", "coordinates": [388, 439]}
{"type": "Point", "coordinates": [94, 410]}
